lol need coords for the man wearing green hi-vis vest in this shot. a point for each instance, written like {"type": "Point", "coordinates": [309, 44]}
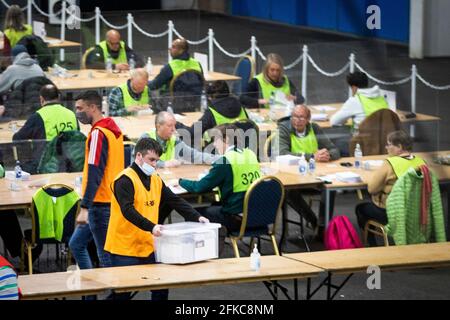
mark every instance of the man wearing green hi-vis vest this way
{"type": "Point", "coordinates": [233, 173]}
{"type": "Point", "coordinates": [297, 136]}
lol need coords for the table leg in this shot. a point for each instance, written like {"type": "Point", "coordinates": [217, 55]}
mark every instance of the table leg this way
{"type": "Point", "coordinates": [327, 207]}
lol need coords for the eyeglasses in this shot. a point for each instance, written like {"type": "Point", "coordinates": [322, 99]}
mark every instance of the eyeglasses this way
{"type": "Point", "coordinates": [299, 118]}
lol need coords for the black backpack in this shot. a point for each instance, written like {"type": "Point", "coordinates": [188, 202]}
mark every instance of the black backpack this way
{"type": "Point", "coordinates": [39, 50]}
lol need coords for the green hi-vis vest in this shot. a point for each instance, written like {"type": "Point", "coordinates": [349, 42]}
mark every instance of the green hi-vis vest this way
{"type": "Point", "coordinates": [128, 100]}
{"type": "Point", "coordinates": [221, 119]}
{"type": "Point", "coordinates": [2, 171]}
{"type": "Point", "coordinates": [57, 118]}
{"type": "Point", "coordinates": [307, 144]}
{"type": "Point", "coordinates": [52, 211]}
{"type": "Point", "coordinates": [401, 165]}
{"type": "Point", "coordinates": [14, 36]}
{"type": "Point", "coordinates": [178, 65]}
{"type": "Point", "coordinates": [169, 153]}
{"type": "Point", "coordinates": [370, 105]}
{"type": "Point", "coordinates": [245, 167]}
{"type": "Point", "coordinates": [267, 88]}
{"type": "Point", "coordinates": [122, 58]}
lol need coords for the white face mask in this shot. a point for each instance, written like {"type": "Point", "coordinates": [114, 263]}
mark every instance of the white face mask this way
{"type": "Point", "coordinates": [147, 169]}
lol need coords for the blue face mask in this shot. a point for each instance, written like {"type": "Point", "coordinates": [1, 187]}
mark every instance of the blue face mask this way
{"type": "Point", "coordinates": [147, 169]}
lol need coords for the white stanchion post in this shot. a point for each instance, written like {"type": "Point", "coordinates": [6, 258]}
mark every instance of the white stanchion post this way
{"type": "Point", "coordinates": [97, 25]}
{"type": "Point", "coordinates": [304, 71]}
{"type": "Point", "coordinates": [352, 69]}
{"type": "Point", "coordinates": [211, 49]}
{"type": "Point", "coordinates": [63, 29]}
{"type": "Point", "coordinates": [130, 30]}
{"type": "Point", "coordinates": [412, 127]}
{"type": "Point", "coordinates": [253, 48]}
{"type": "Point", "coordinates": [29, 12]}
{"type": "Point", "coordinates": [170, 39]}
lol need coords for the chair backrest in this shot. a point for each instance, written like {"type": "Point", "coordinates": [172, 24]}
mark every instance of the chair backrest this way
{"type": "Point", "coordinates": [373, 131]}
{"type": "Point", "coordinates": [128, 151]}
{"type": "Point", "coordinates": [65, 153]}
{"type": "Point", "coordinates": [186, 89]}
{"type": "Point", "coordinates": [262, 203]}
{"type": "Point", "coordinates": [57, 220]}
{"type": "Point", "coordinates": [245, 69]}
{"type": "Point", "coordinates": [85, 56]}
{"type": "Point", "coordinates": [39, 50]}
{"type": "Point", "coordinates": [269, 148]}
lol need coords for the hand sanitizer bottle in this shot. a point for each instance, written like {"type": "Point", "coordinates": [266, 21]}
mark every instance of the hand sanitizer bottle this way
{"type": "Point", "coordinates": [302, 165]}
{"type": "Point", "coordinates": [255, 259]}
{"type": "Point", "coordinates": [358, 156]}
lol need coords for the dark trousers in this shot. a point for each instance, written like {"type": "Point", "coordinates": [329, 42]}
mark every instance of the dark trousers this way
{"type": "Point", "coordinates": [369, 211]}
{"type": "Point", "coordinates": [121, 261]}
{"type": "Point", "coordinates": [10, 232]}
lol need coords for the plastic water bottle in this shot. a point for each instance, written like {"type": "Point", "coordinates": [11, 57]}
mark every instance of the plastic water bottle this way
{"type": "Point", "coordinates": [18, 171]}
{"type": "Point", "coordinates": [312, 165]}
{"type": "Point", "coordinates": [255, 259]}
{"type": "Point", "coordinates": [109, 65]}
{"type": "Point", "coordinates": [272, 99]}
{"type": "Point", "coordinates": [149, 66]}
{"type": "Point", "coordinates": [105, 106]}
{"type": "Point", "coordinates": [203, 102]}
{"type": "Point", "coordinates": [169, 107]}
{"type": "Point", "coordinates": [132, 63]}
{"type": "Point", "coordinates": [358, 156]}
{"type": "Point", "coordinates": [302, 165]}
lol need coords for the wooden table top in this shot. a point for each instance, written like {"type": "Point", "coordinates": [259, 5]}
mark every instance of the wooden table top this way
{"type": "Point", "coordinates": [57, 43]}
{"type": "Point", "coordinates": [92, 78]}
{"type": "Point", "coordinates": [164, 276]}
{"type": "Point", "coordinates": [352, 260]}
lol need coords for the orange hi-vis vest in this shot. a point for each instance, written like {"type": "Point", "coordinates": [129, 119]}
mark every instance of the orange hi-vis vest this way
{"type": "Point", "coordinates": [123, 237]}
{"type": "Point", "coordinates": [115, 163]}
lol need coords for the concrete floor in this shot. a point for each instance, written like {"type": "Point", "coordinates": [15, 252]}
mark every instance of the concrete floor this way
{"type": "Point", "coordinates": [330, 51]}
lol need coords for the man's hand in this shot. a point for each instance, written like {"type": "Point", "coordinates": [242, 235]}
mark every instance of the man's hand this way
{"type": "Point", "coordinates": [290, 97]}
{"type": "Point", "coordinates": [322, 155]}
{"type": "Point", "coordinates": [122, 66]}
{"type": "Point", "coordinates": [262, 101]}
{"type": "Point", "coordinates": [2, 110]}
{"type": "Point", "coordinates": [172, 163]}
{"type": "Point", "coordinates": [157, 230]}
{"type": "Point", "coordinates": [83, 216]}
{"type": "Point", "coordinates": [203, 220]}
{"type": "Point", "coordinates": [138, 108]}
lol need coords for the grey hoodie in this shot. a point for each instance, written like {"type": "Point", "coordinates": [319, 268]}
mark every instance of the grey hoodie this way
{"type": "Point", "coordinates": [23, 67]}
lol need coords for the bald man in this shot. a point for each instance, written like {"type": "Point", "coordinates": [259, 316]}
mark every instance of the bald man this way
{"type": "Point", "coordinates": [114, 48]}
{"type": "Point", "coordinates": [131, 96]}
{"type": "Point", "coordinates": [181, 60]}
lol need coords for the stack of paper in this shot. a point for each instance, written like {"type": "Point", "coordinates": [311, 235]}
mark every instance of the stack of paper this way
{"type": "Point", "coordinates": [319, 117]}
{"type": "Point", "coordinates": [348, 176]}
{"type": "Point", "coordinates": [288, 160]}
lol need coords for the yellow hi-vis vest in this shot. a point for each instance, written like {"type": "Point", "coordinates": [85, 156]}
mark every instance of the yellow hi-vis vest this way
{"type": "Point", "coordinates": [307, 144]}
{"type": "Point", "coordinates": [221, 119]}
{"type": "Point", "coordinates": [122, 58]}
{"type": "Point", "coordinates": [400, 165]}
{"type": "Point", "coordinates": [178, 65]}
{"type": "Point", "coordinates": [14, 36]}
{"type": "Point", "coordinates": [57, 119]}
{"type": "Point", "coordinates": [169, 153]}
{"type": "Point", "coordinates": [370, 105]}
{"type": "Point", "coordinates": [123, 237]}
{"type": "Point", "coordinates": [245, 167]}
{"type": "Point", "coordinates": [267, 88]}
{"type": "Point", "coordinates": [128, 100]}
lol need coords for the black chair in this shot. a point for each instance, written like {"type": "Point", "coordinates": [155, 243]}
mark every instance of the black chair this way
{"type": "Point", "coordinates": [185, 90]}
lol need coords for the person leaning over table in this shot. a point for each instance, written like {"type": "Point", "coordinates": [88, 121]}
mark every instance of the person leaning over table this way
{"type": "Point", "coordinates": [181, 61]}
{"type": "Point", "coordinates": [138, 196]}
{"type": "Point", "coordinates": [131, 96]}
{"type": "Point", "coordinates": [115, 49]}
{"type": "Point", "coordinates": [297, 136]}
{"type": "Point", "coordinates": [270, 80]}
{"type": "Point", "coordinates": [232, 173]}
{"type": "Point", "coordinates": [175, 151]}
{"type": "Point", "coordinates": [400, 159]}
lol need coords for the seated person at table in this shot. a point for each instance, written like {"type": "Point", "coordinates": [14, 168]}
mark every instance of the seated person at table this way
{"type": "Point", "coordinates": [297, 136]}
{"type": "Point", "coordinates": [51, 119]}
{"type": "Point", "coordinates": [230, 174]}
{"type": "Point", "coordinates": [131, 96]}
{"type": "Point", "coordinates": [23, 67]}
{"type": "Point", "coordinates": [133, 222]}
{"type": "Point", "coordinates": [15, 28]}
{"type": "Point", "coordinates": [181, 61]}
{"type": "Point", "coordinates": [174, 149]}
{"type": "Point", "coordinates": [399, 147]}
{"type": "Point", "coordinates": [223, 108]}
{"type": "Point", "coordinates": [115, 49]}
{"type": "Point", "coordinates": [270, 80]}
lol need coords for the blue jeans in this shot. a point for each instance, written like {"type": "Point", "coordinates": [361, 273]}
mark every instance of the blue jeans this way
{"type": "Point", "coordinates": [121, 261]}
{"type": "Point", "coordinates": [98, 222]}
{"type": "Point", "coordinates": [78, 246]}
